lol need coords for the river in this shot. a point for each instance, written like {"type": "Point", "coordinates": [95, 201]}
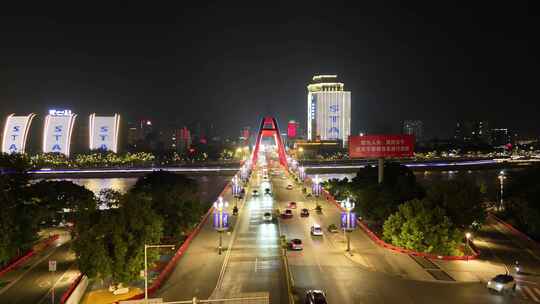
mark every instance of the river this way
{"type": "Point", "coordinates": [209, 185]}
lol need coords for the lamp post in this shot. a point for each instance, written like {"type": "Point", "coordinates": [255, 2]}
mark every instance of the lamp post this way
{"type": "Point", "coordinates": [316, 190]}
{"type": "Point", "coordinates": [146, 266]}
{"type": "Point", "coordinates": [348, 220]}
{"type": "Point", "coordinates": [501, 177]}
{"type": "Point", "coordinates": [302, 173]}
{"type": "Point", "coordinates": [468, 236]}
{"type": "Point", "coordinates": [220, 222]}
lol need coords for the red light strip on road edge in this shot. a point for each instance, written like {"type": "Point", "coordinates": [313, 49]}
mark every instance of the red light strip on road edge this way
{"type": "Point", "coordinates": [20, 259]}
{"type": "Point", "coordinates": [521, 234]}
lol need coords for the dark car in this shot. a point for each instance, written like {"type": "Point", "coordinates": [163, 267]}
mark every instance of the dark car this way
{"type": "Point", "coordinates": [315, 297]}
{"type": "Point", "coordinates": [304, 213]}
{"type": "Point", "coordinates": [287, 214]}
{"type": "Point", "coordinates": [296, 244]}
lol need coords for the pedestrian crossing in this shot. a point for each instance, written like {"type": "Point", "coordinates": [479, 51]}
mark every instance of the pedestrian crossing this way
{"type": "Point", "coordinates": [529, 292]}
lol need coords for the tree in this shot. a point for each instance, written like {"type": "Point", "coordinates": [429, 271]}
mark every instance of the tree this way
{"type": "Point", "coordinates": [521, 200]}
{"type": "Point", "coordinates": [174, 198]}
{"type": "Point", "coordinates": [374, 201]}
{"type": "Point", "coordinates": [53, 197]}
{"type": "Point", "coordinates": [461, 200]}
{"type": "Point", "coordinates": [419, 226]}
{"type": "Point", "coordinates": [18, 220]}
{"type": "Point", "coordinates": [113, 243]}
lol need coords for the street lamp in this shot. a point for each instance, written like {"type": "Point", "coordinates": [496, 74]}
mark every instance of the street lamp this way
{"type": "Point", "coordinates": [468, 236]}
{"type": "Point", "coordinates": [502, 177]}
{"type": "Point", "coordinates": [317, 190]}
{"type": "Point", "coordinates": [348, 222]}
{"type": "Point", "coordinates": [146, 266]}
{"type": "Point", "coordinates": [220, 224]}
{"type": "Point", "coordinates": [302, 173]}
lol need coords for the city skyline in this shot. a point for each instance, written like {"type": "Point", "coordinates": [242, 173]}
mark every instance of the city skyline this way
{"type": "Point", "coordinates": [400, 62]}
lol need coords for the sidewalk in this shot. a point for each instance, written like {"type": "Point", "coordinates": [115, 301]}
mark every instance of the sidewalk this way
{"type": "Point", "coordinates": [195, 274]}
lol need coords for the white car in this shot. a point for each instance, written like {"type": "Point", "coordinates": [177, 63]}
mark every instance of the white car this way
{"type": "Point", "coordinates": [502, 283]}
{"type": "Point", "coordinates": [316, 230]}
{"type": "Point", "coordinates": [267, 217]}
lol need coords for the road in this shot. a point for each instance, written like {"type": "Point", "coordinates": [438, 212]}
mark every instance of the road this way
{"type": "Point", "coordinates": [31, 282]}
{"type": "Point", "coordinates": [249, 266]}
{"type": "Point", "coordinates": [370, 276]}
{"type": "Point", "coordinates": [253, 265]}
{"type": "Point", "coordinates": [500, 245]}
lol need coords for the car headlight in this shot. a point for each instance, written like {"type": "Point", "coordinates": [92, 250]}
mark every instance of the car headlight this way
{"type": "Point", "coordinates": [499, 286]}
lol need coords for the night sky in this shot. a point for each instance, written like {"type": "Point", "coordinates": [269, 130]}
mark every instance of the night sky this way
{"type": "Point", "coordinates": [231, 65]}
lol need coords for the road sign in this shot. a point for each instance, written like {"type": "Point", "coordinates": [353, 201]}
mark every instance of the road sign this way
{"type": "Point", "coordinates": [52, 265]}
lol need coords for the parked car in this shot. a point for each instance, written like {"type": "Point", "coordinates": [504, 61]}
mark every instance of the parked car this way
{"type": "Point", "coordinates": [502, 283]}
{"type": "Point", "coordinates": [315, 297]}
{"type": "Point", "coordinates": [289, 187]}
{"type": "Point", "coordinates": [316, 230]}
{"type": "Point", "coordinates": [287, 214]}
{"type": "Point", "coordinates": [296, 244]}
{"type": "Point", "coordinates": [292, 205]}
{"type": "Point", "coordinates": [304, 213]}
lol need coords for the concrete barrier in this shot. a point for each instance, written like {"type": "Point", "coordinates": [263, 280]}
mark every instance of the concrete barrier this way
{"type": "Point", "coordinates": [75, 291]}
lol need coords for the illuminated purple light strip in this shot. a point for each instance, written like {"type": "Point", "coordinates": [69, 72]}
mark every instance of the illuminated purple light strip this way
{"type": "Point", "coordinates": [138, 170]}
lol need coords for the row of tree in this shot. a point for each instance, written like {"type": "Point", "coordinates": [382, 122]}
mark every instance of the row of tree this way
{"type": "Point", "coordinates": [431, 220]}
{"type": "Point", "coordinates": [521, 201]}
{"type": "Point", "coordinates": [110, 230]}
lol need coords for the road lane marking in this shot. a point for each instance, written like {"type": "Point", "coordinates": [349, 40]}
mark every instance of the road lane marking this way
{"type": "Point", "coordinates": [8, 286]}
{"type": "Point", "coordinates": [530, 293]}
{"type": "Point", "coordinates": [56, 283]}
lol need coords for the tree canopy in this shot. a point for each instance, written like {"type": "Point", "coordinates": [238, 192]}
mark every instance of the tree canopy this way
{"type": "Point", "coordinates": [174, 197]}
{"type": "Point", "coordinates": [421, 227]}
{"type": "Point", "coordinates": [461, 200]}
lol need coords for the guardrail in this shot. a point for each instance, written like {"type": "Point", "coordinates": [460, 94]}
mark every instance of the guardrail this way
{"type": "Point", "coordinates": [20, 259]}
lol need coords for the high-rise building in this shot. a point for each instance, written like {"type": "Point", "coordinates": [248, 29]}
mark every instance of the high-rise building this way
{"type": "Point", "coordinates": [329, 109]}
{"type": "Point", "coordinates": [245, 133]}
{"type": "Point", "coordinates": [500, 137]}
{"type": "Point", "coordinates": [472, 131]}
{"type": "Point", "coordinates": [292, 129]}
{"type": "Point", "coordinates": [414, 127]}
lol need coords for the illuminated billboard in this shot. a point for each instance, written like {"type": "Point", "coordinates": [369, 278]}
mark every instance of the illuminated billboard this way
{"type": "Point", "coordinates": [57, 131]}
{"type": "Point", "coordinates": [104, 132]}
{"type": "Point", "coordinates": [15, 133]}
{"type": "Point", "coordinates": [381, 146]}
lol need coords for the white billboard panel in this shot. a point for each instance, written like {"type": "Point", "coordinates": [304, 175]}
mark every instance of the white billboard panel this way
{"type": "Point", "coordinates": [15, 133]}
{"type": "Point", "coordinates": [57, 131]}
{"type": "Point", "coordinates": [104, 132]}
